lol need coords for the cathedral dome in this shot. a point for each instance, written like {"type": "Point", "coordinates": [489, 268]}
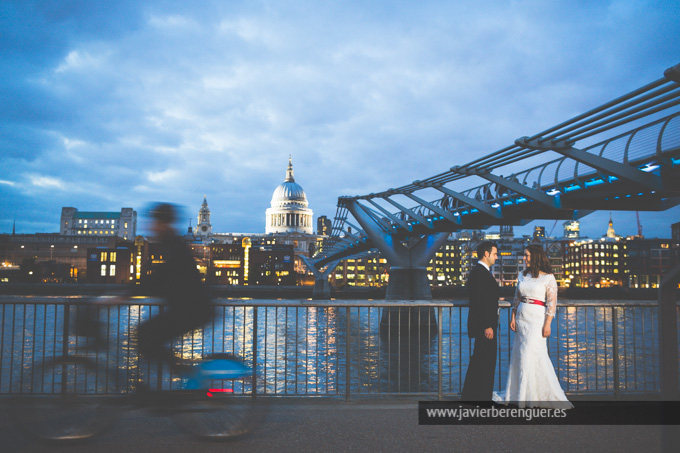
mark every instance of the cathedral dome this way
{"type": "Point", "coordinates": [289, 210]}
{"type": "Point", "coordinates": [289, 193]}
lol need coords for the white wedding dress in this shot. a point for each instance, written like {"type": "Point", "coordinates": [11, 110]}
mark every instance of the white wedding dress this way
{"type": "Point", "coordinates": [532, 381]}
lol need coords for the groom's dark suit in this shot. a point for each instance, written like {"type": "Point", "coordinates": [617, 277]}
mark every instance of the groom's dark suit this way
{"type": "Point", "coordinates": [483, 292]}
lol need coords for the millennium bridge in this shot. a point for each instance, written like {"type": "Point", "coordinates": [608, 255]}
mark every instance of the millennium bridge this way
{"type": "Point", "coordinates": [622, 155]}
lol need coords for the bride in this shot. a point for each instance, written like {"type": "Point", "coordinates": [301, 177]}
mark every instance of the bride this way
{"type": "Point", "coordinates": [532, 381]}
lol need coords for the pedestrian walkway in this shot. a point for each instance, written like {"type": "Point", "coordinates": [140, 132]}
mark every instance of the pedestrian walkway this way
{"type": "Point", "coordinates": [300, 425]}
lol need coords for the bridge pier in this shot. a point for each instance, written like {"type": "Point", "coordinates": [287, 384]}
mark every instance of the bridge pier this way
{"type": "Point", "coordinates": [322, 288]}
{"type": "Point", "coordinates": [408, 273]}
{"type": "Point", "coordinates": [408, 284]}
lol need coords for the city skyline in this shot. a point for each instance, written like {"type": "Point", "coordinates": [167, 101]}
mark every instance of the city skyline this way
{"type": "Point", "coordinates": [123, 104]}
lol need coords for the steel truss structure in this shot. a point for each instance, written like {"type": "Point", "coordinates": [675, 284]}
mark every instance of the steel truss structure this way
{"type": "Point", "coordinates": [638, 169]}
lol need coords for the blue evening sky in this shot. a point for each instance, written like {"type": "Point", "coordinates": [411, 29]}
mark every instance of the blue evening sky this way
{"type": "Point", "coordinates": [110, 104]}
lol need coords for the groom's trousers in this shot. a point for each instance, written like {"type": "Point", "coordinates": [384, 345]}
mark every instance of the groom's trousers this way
{"type": "Point", "coordinates": [479, 379]}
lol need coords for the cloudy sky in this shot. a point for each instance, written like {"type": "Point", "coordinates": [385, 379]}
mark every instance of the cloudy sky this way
{"type": "Point", "coordinates": [119, 103]}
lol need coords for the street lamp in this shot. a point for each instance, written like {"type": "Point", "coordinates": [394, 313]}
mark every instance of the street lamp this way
{"type": "Point", "coordinates": [51, 249]}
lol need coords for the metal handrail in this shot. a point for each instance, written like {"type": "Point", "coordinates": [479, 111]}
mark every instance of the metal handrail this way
{"type": "Point", "coordinates": [622, 351]}
{"type": "Point", "coordinates": [229, 302]}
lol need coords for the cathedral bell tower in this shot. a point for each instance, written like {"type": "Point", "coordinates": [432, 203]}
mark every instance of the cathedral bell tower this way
{"type": "Point", "coordinates": [204, 228]}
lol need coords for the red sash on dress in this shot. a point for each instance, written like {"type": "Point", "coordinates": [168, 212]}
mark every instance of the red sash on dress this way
{"type": "Point", "coordinates": [533, 301]}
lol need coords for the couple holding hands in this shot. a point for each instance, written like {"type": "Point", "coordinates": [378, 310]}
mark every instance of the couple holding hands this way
{"type": "Point", "coordinates": [532, 381]}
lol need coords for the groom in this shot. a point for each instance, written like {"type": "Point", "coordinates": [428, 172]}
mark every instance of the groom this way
{"type": "Point", "coordinates": [483, 292]}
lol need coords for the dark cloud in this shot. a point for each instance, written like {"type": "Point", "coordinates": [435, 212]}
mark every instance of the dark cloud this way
{"type": "Point", "coordinates": [110, 104]}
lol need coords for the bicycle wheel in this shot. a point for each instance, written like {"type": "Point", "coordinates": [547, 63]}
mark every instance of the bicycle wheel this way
{"type": "Point", "coordinates": [218, 417]}
{"type": "Point", "coordinates": [67, 408]}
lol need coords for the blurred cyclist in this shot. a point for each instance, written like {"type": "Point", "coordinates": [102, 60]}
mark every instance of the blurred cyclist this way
{"type": "Point", "coordinates": [178, 281]}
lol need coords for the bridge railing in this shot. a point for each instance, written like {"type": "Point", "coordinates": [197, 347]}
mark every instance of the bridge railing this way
{"type": "Point", "coordinates": [328, 348]}
{"type": "Point", "coordinates": [645, 147]}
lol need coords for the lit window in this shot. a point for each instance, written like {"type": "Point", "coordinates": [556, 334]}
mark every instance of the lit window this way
{"type": "Point", "coordinates": [103, 270]}
{"type": "Point", "coordinates": [112, 270]}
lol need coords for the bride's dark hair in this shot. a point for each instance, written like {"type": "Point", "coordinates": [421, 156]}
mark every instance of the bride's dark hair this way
{"type": "Point", "coordinates": [538, 261]}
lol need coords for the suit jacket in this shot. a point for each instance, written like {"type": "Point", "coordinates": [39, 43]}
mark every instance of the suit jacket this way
{"type": "Point", "coordinates": [483, 292]}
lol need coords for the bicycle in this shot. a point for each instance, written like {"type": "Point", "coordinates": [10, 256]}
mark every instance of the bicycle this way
{"type": "Point", "coordinates": [205, 406]}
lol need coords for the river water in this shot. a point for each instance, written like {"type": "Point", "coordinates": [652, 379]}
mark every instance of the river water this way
{"type": "Point", "coordinates": [316, 349]}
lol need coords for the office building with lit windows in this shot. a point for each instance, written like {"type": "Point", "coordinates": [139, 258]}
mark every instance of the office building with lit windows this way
{"type": "Point", "coordinates": [648, 260]}
{"type": "Point", "coordinates": [572, 229]}
{"type": "Point", "coordinates": [445, 267]}
{"type": "Point", "coordinates": [51, 257]}
{"type": "Point", "coordinates": [369, 270]}
{"type": "Point", "coordinates": [593, 263]}
{"type": "Point", "coordinates": [110, 265]}
{"type": "Point", "coordinates": [324, 226]}
{"type": "Point", "coordinates": [122, 224]}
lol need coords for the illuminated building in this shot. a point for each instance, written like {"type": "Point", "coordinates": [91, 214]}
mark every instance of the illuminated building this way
{"type": "Point", "coordinates": [324, 226]}
{"type": "Point", "coordinates": [271, 263]}
{"type": "Point", "coordinates": [256, 261]}
{"type": "Point", "coordinates": [52, 257]}
{"type": "Point", "coordinates": [370, 270]}
{"type": "Point", "coordinates": [289, 226]}
{"type": "Point", "coordinates": [445, 267]}
{"type": "Point", "coordinates": [289, 211]}
{"type": "Point", "coordinates": [110, 265]}
{"type": "Point", "coordinates": [648, 260]}
{"type": "Point", "coordinates": [572, 229]}
{"type": "Point", "coordinates": [226, 265]}
{"type": "Point", "coordinates": [539, 232]}
{"type": "Point", "coordinates": [596, 263]}
{"type": "Point", "coordinates": [122, 224]}
{"type": "Point", "coordinates": [510, 261]}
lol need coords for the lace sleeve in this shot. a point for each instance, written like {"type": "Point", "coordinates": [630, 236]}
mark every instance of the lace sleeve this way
{"type": "Point", "coordinates": [551, 296]}
{"type": "Point", "coordinates": [518, 295]}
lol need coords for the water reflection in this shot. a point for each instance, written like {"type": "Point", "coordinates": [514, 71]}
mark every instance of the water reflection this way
{"type": "Point", "coordinates": [305, 350]}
